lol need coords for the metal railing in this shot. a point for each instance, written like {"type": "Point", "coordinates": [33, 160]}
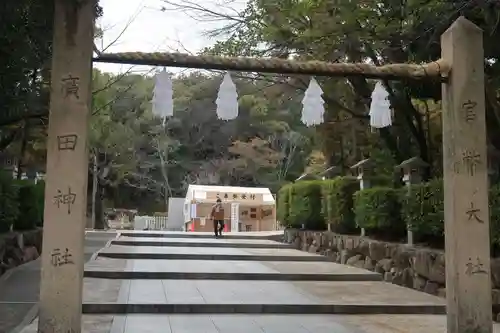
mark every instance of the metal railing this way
{"type": "Point", "coordinates": [151, 223]}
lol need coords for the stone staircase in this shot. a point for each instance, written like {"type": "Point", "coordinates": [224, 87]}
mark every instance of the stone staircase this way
{"type": "Point", "coordinates": [191, 282]}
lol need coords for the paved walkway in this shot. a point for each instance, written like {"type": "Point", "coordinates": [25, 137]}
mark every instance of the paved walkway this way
{"type": "Point", "coordinates": [192, 283]}
{"type": "Point", "coordinates": [19, 286]}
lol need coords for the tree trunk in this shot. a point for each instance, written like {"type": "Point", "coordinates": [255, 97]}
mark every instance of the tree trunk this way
{"type": "Point", "coordinates": [94, 190]}
{"type": "Point", "coordinates": [99, 209]}
{"type": "Point", "coordinates": [24, 140]}
{"type": "Point", "coordinates": [98, 192]}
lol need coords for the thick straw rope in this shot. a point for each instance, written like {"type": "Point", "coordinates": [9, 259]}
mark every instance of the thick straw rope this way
{"type": "Point", "coordinates": [274, 65]}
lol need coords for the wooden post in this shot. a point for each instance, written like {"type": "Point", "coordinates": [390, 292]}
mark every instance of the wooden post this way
{"type": "Point", "coordinates": [60, 305]}
{"type": "Point", "coordinates": [468, 284]}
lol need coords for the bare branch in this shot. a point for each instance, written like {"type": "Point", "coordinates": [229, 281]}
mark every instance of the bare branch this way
{"type": "Point", "coordinates": [208, 15]}
{"type": "Point", "coordinates": [118, 95]}
{"type": "Point", "coordinates": [127, 25]}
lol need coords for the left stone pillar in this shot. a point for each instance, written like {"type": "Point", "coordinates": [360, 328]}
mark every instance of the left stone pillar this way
{"type": "Point", "coordinates": [60, 304]}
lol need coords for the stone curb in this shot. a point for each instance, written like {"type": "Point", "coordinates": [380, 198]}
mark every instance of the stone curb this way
{"type": "Point", "coordinates": [355, 309]}
{"type": "Point", "coordinates": [202, 244]}
{"type": "Point", "coordinates": [227, 257]}
{"type": "Point", "coordinates": [28, 319]}
{"type": "Point", "coordinates": [159, 275]}
{"type": "Point", "coordinates": [193, 235]}
{"type": "Point", "coordinates": [33, 312]}
{"type": "Point", "coordinates": [96, 253]}
{"type": "Point", "coordinates": [4, 277]}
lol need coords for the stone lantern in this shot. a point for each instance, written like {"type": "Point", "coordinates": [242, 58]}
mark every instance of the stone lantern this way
{"type": "Point", "coordinates": [330, 172]}
{"type": "Point", "coordinates": [363, 170]}
{"type": "Point", "coordinates": [412, 170]}
{"type": "Point", "coordinates": [412, 174]}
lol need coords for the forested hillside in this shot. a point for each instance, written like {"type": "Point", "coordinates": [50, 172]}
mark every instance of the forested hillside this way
{"type": "Point", "coordinates": [265, 146]}
{"type": "Point", "coordinates": [141, 163]}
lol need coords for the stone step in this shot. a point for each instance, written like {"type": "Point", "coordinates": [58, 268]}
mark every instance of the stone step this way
{"type": "Point", "coordinates": [242, 235]}
{"type": "Point", "coordinates": [263, 323]}
{"type": "Point", "coordinates": [238, 308]}
{"type": "Point", "coordinates": [201, 244]}
{"type": "Point", "coordinates": [232, 323]}
{"type": "Point", "coordinates": [162, 275]}
{"type": "Point", "coordinates": [188, 256]}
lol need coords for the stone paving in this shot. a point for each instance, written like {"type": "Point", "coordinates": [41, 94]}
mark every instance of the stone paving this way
{"type": "Point", "coordinates": [197, 242]}
{"type": "Point", "coordinates": [19, 286]}
{"type": "Point", "coordinates": [223, 300]}
{"type": "Point", "coordinates": [207, 253]}
{"type": "Point", "coordinates": [146, 250]}
{"type": "Point", "coordinates": [242, 266]}
{"type": "Point", "coordinates": [207, 239]}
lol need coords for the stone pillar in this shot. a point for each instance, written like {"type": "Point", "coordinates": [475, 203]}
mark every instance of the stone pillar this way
{"type": "Point", "coordinates": [364, 170]}
{"type": "Point", "coordinates": [466, 211]}
{"type": "Point", "coordinates": [60, 306]}
{"type": "Point", "coordinates": [412, 174]}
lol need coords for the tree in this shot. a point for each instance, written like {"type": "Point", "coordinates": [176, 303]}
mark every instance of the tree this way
{"type": "Point", "coordinates": [25, 59]}
{"type": "Point", "coordinates": [148, 162]}
{"type": "Point", "coordinates": [379, 32]}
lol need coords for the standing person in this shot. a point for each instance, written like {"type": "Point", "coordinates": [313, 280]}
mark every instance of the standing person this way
{"type": "Point", "coordinates": [217, 215]}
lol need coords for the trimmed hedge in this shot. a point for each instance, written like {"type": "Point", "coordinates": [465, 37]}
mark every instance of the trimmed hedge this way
{"type": "Point", "coordinates": [378, 210]}
{"type": "Point", "coordinates": [494, 203]}
{"type": "Point", "coordinates": [384, 212]}
{"type": "Point", "coordinates": [422, 208]}
{"type": "Point", "coordinates": [40, 201]}
{"type": "Point", "coordinates": [9, 204]}
{"type": "Point", "coordinates": [31, 202]}
{"type": "Point", "coordinates": [21, 203]}
{"type": "Point", "coordinates": [305, 200]}
{"type": "Point", "coordinates": [337, 203]}
{"type": "Point", "coordinates": [283, 205]}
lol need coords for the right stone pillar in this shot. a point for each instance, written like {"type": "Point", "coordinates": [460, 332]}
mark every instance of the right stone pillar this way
{"type": "Point", "coordinates": [465, 169]}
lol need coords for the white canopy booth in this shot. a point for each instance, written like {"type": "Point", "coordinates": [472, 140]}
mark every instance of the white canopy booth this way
{"type": "Point", "coordinates": [245, 208]}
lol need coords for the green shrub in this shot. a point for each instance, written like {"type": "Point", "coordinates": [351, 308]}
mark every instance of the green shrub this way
{"type": "Point", "coordinates": [305, 205]}
{"type": "Point", "coordinates": [422, 209]}
{"type": "Point", "coordinates": [9, 205]}
{"type": "Point", "coordinates": [283, 204]}
{"type": "Point", "coordinates": [31, 203]}
{"type": "Point", "coordinates": [378, 210]}
{"type": "Point", "coordinates": [40, 200]}
{"type": "Point", "coordinates": [382, 181]}
{"type": "Point", "coordinates": [337, 203]}
{"type": "Point", "coordinates": [494, 202]}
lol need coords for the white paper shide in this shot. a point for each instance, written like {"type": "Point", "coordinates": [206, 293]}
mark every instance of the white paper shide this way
{"type": "Point", "coordinates": [313, 109]}
{"type": "Point", "coordinates": [163, 105]}
{"type": "Point", "coordinates": [380, 108]}
{"type": "Point", "coordinates": [227, 99]}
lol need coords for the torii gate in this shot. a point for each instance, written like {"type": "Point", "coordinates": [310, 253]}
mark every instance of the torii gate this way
{"type": "Point", "coordinates": [468, 285]}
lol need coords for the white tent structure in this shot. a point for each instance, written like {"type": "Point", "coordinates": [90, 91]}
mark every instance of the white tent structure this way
{"type": "Point", "coordinates": [246, 208]}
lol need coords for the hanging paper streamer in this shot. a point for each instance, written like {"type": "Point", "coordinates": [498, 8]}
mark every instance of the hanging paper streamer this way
{"type": "Point", "coordinates": [313, 109]}
{"type": "Point", "coordinates": [380, 108]}
{"type": "Point", "coordinates": [227, 99]}
{"type": "Point", "coordinates": [163, 105]}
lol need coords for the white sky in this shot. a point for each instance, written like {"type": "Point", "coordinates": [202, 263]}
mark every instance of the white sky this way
{"type": "Point", "coordinates": [152, 30]}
